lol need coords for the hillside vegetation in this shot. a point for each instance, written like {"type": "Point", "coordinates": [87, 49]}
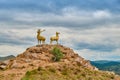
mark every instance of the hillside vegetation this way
{"type": "Point", "coordinates": [51, 62]}
{"type": "Point", "coordinates": [67, 72]}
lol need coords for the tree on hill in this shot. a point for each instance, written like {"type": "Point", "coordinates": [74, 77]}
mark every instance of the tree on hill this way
{"type": "Point", "coordinates": [57, 54]}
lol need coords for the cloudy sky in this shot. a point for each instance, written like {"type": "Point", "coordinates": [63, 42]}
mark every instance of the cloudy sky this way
{"type": "Point", "coordinates": [90, 27]}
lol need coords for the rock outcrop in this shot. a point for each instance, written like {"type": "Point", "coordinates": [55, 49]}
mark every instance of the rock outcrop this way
{"type": "Point", "coordinates": [41, 56]}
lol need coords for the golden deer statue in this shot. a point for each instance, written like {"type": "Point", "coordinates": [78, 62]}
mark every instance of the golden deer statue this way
{"type": "Point", "coordinates": [39, 37]}
{"type": "Point", "coordinates": [55, 38]}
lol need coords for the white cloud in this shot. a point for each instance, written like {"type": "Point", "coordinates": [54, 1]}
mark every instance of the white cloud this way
{"type": "Point", "coordinates": [95, 55]}
{"type": "Point", "coordinates": [69, 37]}
{"type": "Point", "coordinates": [68, 17]}
{"type": "Point", "coordinates": [102, 14]}
{"type": "Point", "coordinates": [75, 26]}
{"type": "Point", "coordinates": [6, 50]}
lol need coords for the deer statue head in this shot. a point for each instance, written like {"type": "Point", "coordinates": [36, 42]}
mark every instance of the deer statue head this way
{"type": "Point", "coordinates": [57, 33]}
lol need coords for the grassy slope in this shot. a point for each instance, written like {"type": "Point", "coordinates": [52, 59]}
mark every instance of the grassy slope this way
{"type": "Point", "coordinates": [66, 73]}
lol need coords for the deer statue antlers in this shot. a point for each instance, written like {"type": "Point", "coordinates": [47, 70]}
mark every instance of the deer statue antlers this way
{"type": "Point", "coordinates": [41, 39]}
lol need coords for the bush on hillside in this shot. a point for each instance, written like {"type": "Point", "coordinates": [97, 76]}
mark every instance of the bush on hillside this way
{"type": "Point", "coordinates": [57, 54]}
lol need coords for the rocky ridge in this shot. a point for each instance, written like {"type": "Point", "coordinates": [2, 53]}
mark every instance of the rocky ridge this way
{"type": "Point", "coordinates": [41, 56]}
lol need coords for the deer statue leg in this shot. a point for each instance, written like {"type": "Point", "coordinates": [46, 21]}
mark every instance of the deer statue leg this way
{"type": "Point", "coordinates": [43, 42]}
{"type": "Point", "coordinates": [38, 42]}
{"type": "Point", "coordinates": [50, 41]}
{"type": "Point", "coordinates": [57, 41]}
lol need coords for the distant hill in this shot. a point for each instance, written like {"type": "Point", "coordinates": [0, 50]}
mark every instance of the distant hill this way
{"type": "Point", "coordinates": [6, 57]}
{"type": "Point", "coordinates": [107, 65]}
{"type": "Point", "coordinates": [51, 62]}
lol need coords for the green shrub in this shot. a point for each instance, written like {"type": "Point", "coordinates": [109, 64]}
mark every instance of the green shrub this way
{"type": "Point", "coordinates": [52, 70]}
{"type": "Point", "coordinates": [28, 73]}
{"type": "Point", "coordinates": [64, 72]}
{"type": "Point", "coordinates": [57, 54]}
{"type": "Point", "coordinates": [40, 68]}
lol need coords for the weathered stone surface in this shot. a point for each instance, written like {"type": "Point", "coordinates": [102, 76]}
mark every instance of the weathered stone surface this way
{"type": "Point", "coordinates": [43, 54]}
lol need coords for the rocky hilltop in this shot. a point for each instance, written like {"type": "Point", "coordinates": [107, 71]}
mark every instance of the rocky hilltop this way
{"type": "Point", "coordinates": [36, 63]}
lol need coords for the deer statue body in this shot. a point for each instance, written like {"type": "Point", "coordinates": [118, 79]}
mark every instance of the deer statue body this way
{"type": "Point", "coordinates": [39, 37]}
{"type": "Point", "coordinates": [55, 38]}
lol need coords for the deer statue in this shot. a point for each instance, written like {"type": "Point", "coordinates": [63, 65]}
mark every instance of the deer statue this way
{"type": "Point", "coordinates": [55, 38]}
{"type": "Point", "coordinates": [39, 37]}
